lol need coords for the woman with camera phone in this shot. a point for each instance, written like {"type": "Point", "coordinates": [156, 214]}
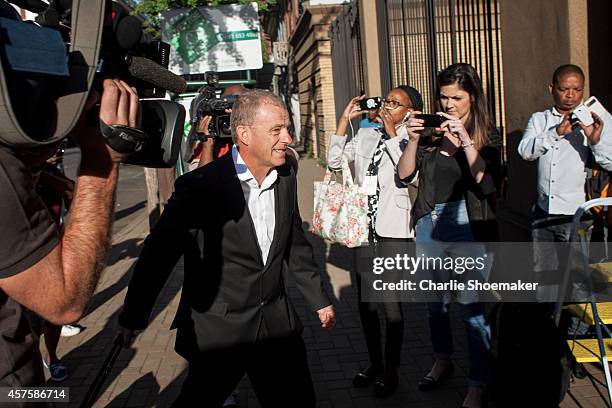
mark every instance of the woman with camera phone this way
{"type": "Point", "coordinates": [375, 152]}
{"type": "Point", "coordinates": [454, 213]}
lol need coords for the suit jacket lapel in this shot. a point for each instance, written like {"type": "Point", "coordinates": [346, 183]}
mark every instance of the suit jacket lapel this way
{"type": "Point", "coordinates": [280, 211]}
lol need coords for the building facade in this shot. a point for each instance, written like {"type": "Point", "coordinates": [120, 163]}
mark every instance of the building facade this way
{"type": "Point", "coordinates": [515, 45]}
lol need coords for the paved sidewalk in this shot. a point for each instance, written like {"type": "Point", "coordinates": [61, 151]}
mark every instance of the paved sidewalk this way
{"type": "Point", "coordinates": [151, 374]}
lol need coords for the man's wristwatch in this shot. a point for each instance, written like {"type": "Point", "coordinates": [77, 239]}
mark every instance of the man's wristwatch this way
{"type": "Point", "coordinates": [123, 139]}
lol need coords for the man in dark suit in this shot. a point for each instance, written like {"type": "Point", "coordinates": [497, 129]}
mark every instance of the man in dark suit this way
{"type": "Point", "coordinates": [238, 224]}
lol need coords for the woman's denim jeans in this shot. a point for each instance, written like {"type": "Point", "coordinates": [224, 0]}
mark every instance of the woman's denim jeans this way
{"type": "Point", "coordinates": [441, 234]}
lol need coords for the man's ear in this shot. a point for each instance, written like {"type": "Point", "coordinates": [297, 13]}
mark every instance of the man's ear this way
{"type": "Point", "coordinates": [550, 88]}
{"type": "Point", "coordinates": [243, 134]}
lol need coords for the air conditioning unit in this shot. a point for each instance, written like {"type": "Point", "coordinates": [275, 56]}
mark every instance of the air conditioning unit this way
{"type": "Point", "coordinates": [281, 53]}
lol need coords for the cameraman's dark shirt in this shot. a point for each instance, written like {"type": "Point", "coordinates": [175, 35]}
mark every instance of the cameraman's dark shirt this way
{"type": "Point", "coordinates": [28, 234]}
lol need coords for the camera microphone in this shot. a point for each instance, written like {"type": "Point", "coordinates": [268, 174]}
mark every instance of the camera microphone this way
{"type": "Point", "coordinates": [149, 71]}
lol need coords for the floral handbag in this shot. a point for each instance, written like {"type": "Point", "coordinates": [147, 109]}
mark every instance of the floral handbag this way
{"type": "Point", "coordinates": [340, 210]}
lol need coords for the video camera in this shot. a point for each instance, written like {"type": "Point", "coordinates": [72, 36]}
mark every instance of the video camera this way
{"type": "Point", "coordinates": [43, 88]}
{"type": "Point", "coordinates": [207, 103]}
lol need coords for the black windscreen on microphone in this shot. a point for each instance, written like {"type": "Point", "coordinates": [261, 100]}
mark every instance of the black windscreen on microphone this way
{"type": "Point", "coordinates": [149, 71]}
{"type": "Point", "coordinates": [129, 32]}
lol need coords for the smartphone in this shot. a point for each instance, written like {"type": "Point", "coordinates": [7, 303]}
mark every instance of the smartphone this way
{"type": "Point", "coordinates": [595, 106]}
{"type": "Point", "coordinates": [431, 121]}
{"type": "Point", "coordinates": [583, 111]}
{"type": "Point", "coordinates": [373, 102]}
{"type": "Point", "coordinates": [583, 114]}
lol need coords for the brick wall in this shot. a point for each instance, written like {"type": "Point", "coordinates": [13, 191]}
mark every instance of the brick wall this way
{"type": "Point", "coordinates": [312, 55]}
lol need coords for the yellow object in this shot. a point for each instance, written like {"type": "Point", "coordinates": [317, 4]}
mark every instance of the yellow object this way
{"type": "Point", "coordinates": [604, 310]}
{"type": "Point", "coordinates": [604, 269]}
{"type": "Point", "coordinates": [587, 350]}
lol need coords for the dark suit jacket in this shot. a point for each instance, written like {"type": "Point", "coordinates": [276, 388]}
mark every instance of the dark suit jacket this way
{"type": "Point", "coordinates": [229, 295]}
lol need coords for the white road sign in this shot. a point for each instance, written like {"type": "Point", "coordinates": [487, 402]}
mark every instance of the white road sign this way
{"type": "Point", "coordinates": [222, 38]}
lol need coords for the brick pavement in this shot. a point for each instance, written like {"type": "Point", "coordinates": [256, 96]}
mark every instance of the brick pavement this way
{"type": "Point", "coordinates": [151, 374]}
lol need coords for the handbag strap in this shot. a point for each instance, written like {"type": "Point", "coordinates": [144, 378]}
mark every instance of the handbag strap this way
{"type": "Point", "coordinates": [347, 176]}
{"type": "Point", "coordinates": [86, 36]}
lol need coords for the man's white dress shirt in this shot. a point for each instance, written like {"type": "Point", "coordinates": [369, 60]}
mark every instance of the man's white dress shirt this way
{"type": "Point", "coordinates": [562, 160]}
{"type": "Point", "coordinates": [260, 201]}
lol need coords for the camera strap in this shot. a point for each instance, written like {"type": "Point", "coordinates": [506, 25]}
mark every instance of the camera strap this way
{"type": "Point", "coordinates": [86, 36]}
{"type": "Point", "coordinates": [124, 139]}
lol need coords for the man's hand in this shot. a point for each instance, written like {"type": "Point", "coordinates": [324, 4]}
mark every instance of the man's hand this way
{"type": "Point", "coordinates": [203, 125]}
{"type": "Point", "coordinates": [208, 144]}
{"type": "Point", "coordinates": [327, 316]}
{"type": "Point", "coordinates": [565, 126]}
{"type": "Point", "coordinates": [593, 132]}
{"type": "Point", "coordinates": [128, 336]}
{"type": "Point", "coordinates": [59, 286]}
{"type": "Point", "coordinates": [119, 105]}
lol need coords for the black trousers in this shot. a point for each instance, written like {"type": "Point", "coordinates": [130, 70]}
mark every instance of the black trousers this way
{"type": "Point", "coordinates": [277, 369]}
{"type": "Point", "coordinates": [392, 313]}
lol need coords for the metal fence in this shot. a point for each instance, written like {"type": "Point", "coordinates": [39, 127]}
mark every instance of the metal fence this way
{"type": "Point", "coordinates": [422, 37]}
{"type": "Point", "coordinates": [346, 56]}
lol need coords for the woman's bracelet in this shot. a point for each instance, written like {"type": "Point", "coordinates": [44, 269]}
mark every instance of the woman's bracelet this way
{"type": "Point", "coordinates": [467, 145]}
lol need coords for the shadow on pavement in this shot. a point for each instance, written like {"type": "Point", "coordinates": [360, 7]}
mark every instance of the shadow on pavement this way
{"type": "Point", "coordinates": [130, 210]}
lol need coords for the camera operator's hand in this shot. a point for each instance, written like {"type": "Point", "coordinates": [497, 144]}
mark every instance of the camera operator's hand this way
{"type": "Point", "coordinates": [414, 127]}
{"type": "Point", "coordinates": [351, 111]}
{"type": "Point", "coordinates": [60, 284]}
{"type": "Point", "coordinates": [203, 125]}
{"type": "Point", "coordinates": [119, 105]}
{"type": "Point", "coordinates": [208, 145]}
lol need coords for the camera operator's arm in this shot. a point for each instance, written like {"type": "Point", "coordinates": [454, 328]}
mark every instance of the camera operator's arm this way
{"type": "Point", "coordinates": [59, 285]}
{"type": "Point", "coordinates": [208, 145]}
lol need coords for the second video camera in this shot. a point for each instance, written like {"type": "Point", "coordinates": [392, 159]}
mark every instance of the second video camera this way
{"type": "Point", "coordinates": [208, 103]}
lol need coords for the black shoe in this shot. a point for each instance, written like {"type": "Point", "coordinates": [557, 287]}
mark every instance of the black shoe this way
{"type": "Point", "coordinates": [385, 386]}
{"type": "Point", "coordinates": [428, 383]}
{"type": "Point", "coordinates": [576, 368]}
{"type": "Point", "coordinates": [366, 377]}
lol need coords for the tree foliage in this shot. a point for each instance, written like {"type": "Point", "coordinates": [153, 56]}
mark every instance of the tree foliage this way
{"type": "Point", "coordinates": [152, 8]}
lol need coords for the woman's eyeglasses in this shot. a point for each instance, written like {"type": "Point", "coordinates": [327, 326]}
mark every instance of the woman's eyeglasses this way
{"type": "Point", "coordinates": [392, 105]}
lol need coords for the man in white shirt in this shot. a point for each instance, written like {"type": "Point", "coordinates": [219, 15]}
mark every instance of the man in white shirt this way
{"type": "Point", "coordinates": [562, 147]}
{"type": "Point", "coordinates": [235, 316]}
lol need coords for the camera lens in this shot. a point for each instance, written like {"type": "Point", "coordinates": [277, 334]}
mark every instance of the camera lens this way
{"type": "Point", "coordinates": [225, 127]}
